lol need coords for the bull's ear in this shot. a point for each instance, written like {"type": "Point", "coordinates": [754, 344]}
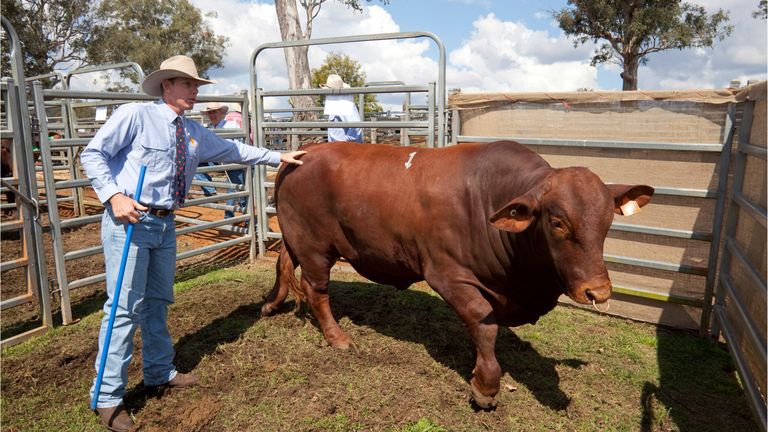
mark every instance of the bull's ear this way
{"type": "Point", "coordinates": [629, 198]}
{"type": "Point", "coordinates": [517, 215]}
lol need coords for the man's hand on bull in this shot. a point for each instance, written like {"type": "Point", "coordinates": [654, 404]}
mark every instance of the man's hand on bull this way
{"type": "Point", "coordinates": [124, 208]}
{"type": "Point", "coordinates": [292, 157]}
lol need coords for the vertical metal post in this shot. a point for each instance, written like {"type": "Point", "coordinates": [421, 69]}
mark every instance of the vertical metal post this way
{"type": "Point", "coordinates": [22, 133]}
{"type": "Point", "coordinates": [455, 126]}
{"type": "Point", "coordinates": [407, 110]}
{"type": "Point", "coordinates": [53, 206]}
{"type": "Point", "coordinates": [431, 119]}
{"type": "Point", "coordinates": [717, 223]}
{"type": "Point", "coordinates": [259, 174]}
{"type": "Point", "coordinates": [733, 209]}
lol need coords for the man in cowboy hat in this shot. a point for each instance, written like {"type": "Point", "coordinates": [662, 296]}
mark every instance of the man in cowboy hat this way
{"type": "Point", "coordinates": [341, 108]}
{"type": "Point", "coordinates": [216, 113]}
{"type": "Point", "coordinates": [156, 135]}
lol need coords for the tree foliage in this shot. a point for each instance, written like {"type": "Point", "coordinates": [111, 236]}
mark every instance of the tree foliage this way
{"type": "Point", "coordinates": [299, 74]}
{"type": "Point", "coordinates": [762, 10]}
{"type": "Point", "coordinates": [51, 33]}
{"type": "Point", "coordinates": [149, 31]}
{"type": "Point", "coordinates": [66, 34]}
{"type": "Point", "coordinates": [633, 29]}
{"type": "Point", "coordinates": [349, 71]}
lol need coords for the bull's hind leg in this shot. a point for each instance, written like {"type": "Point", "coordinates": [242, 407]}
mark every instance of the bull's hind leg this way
{"type": "Point", "coordinates": [314, 283]}
{"type": "Point", "coordinates": [285, 280]}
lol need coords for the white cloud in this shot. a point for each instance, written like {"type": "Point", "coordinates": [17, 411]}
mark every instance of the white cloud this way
{"type": "Point", "coordinates": [508, 56]}
{"type": "Point", "coordinates": [497, 56]}
{"type": "Point", "coordinates": [740, 56]}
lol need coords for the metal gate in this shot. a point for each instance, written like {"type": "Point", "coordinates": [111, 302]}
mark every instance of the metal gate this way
{"type": "Point", "coordinates": [433, 127]}
{"type": "Point", "coordinates": [18, 128]}
{"type": "Point", "coordinates": [740, 306]}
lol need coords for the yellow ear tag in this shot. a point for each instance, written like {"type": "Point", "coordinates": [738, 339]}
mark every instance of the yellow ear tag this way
{"type": "Point", "coordinates": [629, 208]}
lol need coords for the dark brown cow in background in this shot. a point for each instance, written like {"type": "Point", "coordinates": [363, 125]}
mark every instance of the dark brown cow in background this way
{"type": "Point", "coordinates": [493, 229]}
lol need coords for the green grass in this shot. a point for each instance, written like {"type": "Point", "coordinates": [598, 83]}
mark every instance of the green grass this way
{"type": "Point", "coordinates": [572, 371]}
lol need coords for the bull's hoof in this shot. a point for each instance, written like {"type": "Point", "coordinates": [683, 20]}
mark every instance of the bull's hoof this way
{"type": "Point", "coordinates": [481, 400]}
{"type": "Point", "coordinates": [339, 340]}
{"type": "Point", "coordinates": [342, 344]}
{"type": "Point", "coordinates": [267, 310]}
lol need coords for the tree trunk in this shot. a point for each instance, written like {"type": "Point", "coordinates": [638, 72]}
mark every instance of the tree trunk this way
{"type": "Point", "coordinates": [299, 75]}
{"type": "Point", "coordinates": [629, 75]}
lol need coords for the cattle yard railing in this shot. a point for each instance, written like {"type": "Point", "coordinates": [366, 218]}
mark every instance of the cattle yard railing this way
{"type": "Point", "coordinates": [72, 114]}
{"type": "Point", "coordinates": [433, 127]}
{"type": "Point", "coordinates": [92, 209]}
{"type": "Point", "coordinates": [742, 279]}
{"type": "Point", "coordinates": [29, 224]}
{"type": "Point", "coordinates": [728, 295]}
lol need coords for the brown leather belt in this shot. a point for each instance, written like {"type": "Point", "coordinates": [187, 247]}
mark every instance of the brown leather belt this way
{"type": "Point", "coordinates": [159, 212]}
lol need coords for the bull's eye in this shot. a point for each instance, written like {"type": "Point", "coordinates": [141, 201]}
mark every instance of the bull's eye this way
{"type": "Point", "coordinates": [513, 212]}
{"type": "Point", "coordinates": [557, 226]}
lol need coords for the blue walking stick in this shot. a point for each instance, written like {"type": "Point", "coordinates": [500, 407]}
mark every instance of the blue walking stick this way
{"type": "Point", "coordinates": [116, 297]}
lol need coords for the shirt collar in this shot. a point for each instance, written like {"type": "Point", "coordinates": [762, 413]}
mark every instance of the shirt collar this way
{"type": "Point", "coordinates": [167, 113]}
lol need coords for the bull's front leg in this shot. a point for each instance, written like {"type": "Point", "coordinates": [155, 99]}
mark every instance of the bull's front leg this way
{"type": "Point", "coordinates": [486, 376]}
{"type": "Point", "coordinates": [477, 315]}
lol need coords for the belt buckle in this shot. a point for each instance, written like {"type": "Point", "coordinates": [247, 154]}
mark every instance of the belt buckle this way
{"type": "Point", "coordinates": [163, 212]}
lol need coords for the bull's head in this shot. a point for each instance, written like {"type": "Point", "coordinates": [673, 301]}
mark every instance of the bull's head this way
{"type": "Point", "coordinates": [574, 209]}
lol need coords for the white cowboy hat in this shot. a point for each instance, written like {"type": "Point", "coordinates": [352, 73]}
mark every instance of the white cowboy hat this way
{"type": "Point", "coordinates": [173, 67]}
{"type": "Point", "coordinates": [335, 82]}
{"type": "Point", "coordinates": [213, 106]}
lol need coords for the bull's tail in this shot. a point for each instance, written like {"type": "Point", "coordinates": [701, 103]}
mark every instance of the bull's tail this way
{"type": "Point", "coordinates": [285, 279]}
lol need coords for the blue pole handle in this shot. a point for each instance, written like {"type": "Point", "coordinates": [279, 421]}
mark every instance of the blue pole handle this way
{"type": "Point", "coordinates": [116, 297]}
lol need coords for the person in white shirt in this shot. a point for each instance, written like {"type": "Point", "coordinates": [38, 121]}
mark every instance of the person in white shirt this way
{"type": "Point", "coordinates": [341, 108]}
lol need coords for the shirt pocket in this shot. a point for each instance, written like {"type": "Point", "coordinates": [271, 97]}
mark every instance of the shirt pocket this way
{"type": "Point", "coordinates": [157, 155]}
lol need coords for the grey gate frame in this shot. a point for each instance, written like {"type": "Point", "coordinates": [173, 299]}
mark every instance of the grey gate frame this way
{"type": "Point", "coordinates": [260, 125]}
{"type": "Point", "coordinates": [61, 256]}
{"type": "Point", "coordinates": [31, 224]}
{"type": "Point", "coordinates": [724, 150]}
{"type": "Point", "coordinates": [744, 332]}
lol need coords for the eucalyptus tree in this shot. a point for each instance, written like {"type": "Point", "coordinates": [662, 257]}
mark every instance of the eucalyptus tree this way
{"type": "Point", "coordinates": [349, 70]}
{"type": "Point", "coordinates": [52, 33]}
{"type": "Point", "coordinates": [299, 74]}
{"type": "Point", "coordinates": [631, 30]}
{"type": "Point", "coordinates": [149, 31]}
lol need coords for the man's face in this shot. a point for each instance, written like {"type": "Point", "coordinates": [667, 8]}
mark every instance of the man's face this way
{"type": "Point", "coordinates": [215, 116]}
{"type": "Point", "coordinates": [180, 93]}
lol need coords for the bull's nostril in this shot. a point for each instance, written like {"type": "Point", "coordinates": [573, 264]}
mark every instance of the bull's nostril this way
{"type": "Point", "coordinates": [589, 295]}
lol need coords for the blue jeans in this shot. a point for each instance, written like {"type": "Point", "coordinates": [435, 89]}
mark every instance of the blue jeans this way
{"type": "Point", "coordinates": [144, 298]}
{"type": "Point", "coordinates": [236, 177]}
{"type": "Point", "coordinates": [207, 190]}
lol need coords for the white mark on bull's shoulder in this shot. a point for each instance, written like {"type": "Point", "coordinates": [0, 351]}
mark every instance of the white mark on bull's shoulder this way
{"type": "Point", "coordinates": [410, 158]}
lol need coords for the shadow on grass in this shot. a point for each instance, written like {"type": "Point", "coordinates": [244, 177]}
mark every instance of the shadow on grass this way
{"type": "Point", "coordinates": [697, 389]}
{"type": "Point", "coordinates": [419, 317]}
{"type": "Point", "coordinates": [193, 347]}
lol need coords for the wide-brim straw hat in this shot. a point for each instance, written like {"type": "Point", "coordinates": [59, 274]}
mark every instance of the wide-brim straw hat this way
{"type": "Point", "coordinates": [214, 106]}
{"type": "Point", "coordinates": [179, 66]}
{"type": "Point", "coordinates": [335, 82]}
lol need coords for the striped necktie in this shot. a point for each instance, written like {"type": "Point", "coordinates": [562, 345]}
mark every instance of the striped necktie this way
{"type": "Point", "coordinates": [180, 178]}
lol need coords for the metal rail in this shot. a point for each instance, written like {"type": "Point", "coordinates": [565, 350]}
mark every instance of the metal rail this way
{"type": "Point", "coordinates": [32, 230]}
{"type": "Point", "coordinates": [435, 107]}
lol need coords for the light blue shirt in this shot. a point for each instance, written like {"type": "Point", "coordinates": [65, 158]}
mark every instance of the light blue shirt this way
{"type": "Point", "coordinates": [144, 134]}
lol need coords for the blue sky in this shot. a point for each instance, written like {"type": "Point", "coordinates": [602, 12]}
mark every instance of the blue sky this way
{"type": "Point", "coordinates": [491, 45]}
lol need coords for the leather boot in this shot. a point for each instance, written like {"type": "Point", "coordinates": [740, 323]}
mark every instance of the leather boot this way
{"type": "Point", "coordinates": [182, 380]}
{"type": "Point", "coordinates": [115, 418]}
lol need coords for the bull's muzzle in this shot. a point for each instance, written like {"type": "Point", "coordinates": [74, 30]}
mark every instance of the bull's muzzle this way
{"type": "Point", "coordinates": [594, 292]}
